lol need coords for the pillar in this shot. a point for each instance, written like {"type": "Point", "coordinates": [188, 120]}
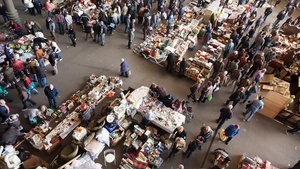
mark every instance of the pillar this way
{"type": "Point", "coordinates": [11, 11]}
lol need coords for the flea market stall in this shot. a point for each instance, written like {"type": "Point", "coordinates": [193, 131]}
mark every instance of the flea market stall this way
{"type": "Point", "coordinates": [157, 46]}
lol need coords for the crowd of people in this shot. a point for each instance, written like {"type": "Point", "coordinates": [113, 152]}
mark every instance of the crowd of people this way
{"type": "Point", "coordinates": [242, 64]}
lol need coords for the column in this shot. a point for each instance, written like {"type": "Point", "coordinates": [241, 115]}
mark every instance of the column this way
{"type": "Point", "coordinates": [11, 11]}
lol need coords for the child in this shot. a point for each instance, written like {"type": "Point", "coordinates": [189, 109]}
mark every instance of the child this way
{"type": "Point", "coordinates": [72, 36]}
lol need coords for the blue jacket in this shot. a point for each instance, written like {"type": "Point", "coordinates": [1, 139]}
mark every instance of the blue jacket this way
{"type": "Point", "coordinates": [51, 93]}
{"type": "Point", "coordinates": [3, 112]}
{"type": "Point", "coordinates": [230, 131]}
{"type": "Point", "coordinates": [256, 105]}
{"type": "Point", "coordinates": [124, 67]}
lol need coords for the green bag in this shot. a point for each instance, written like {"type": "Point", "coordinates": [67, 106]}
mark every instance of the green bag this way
{"type": "Point", "coordinates": [209, 98]}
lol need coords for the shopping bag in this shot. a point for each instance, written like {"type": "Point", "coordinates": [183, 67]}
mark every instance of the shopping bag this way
{"type": "Point", "coordinates": [222, 135]}
{"type": "Point", "coordinates": [31, 86]}
{"type": "Point", "coordinates": [209, 98]}
{"type": "Point", "coordinates": [129, 72]}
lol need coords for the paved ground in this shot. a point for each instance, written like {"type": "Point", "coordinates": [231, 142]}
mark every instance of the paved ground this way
{"type": "Point", "coordinates": [262, 136]}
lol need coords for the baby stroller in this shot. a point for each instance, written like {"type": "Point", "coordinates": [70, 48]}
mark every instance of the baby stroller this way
{"type": "Point", "coordinates": [187, 111]}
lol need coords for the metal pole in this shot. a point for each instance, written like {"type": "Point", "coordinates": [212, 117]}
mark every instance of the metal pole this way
{"type": "Point", "coordinates": [209, 147]}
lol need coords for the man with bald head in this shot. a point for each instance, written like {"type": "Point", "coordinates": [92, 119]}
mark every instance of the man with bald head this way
{"type": "Point", "coordinates": [51, 92]}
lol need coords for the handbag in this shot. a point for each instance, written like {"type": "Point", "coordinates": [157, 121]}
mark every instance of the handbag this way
{"type": "Point", "coordinates": [129, 72]}
{"type": "Point", "coordinates": [209, 98]}
{"type": "Point", "coordinates": [31, 86]}
{"type": "Point", "coordinates": [222, 135]}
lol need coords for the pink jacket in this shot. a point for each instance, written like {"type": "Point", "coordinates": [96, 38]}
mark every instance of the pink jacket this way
{"type": "Point", "coordinates": [18, 65]}
{"type": "Point", "coordinates": [48, 6]}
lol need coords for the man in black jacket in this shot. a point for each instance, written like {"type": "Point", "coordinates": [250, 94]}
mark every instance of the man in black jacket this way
{"type": "Point", "coordinates": [268, 12]}
{"type": "Point", "coordinates": [182, 68]}
{"type": "Point", "coordinates": [281, 15]}
{"type": "Point", "coordinates": [51, 92]}
{"type": "Point", "coordinates": [170, 62]}
{"type": "Point", "coordinates": [226, 114]}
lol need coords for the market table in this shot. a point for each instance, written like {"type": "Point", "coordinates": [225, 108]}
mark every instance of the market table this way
{"type": "Point", "coordinates": [92, 93]}
{"type": "Point", "coordinates": [163, 117]}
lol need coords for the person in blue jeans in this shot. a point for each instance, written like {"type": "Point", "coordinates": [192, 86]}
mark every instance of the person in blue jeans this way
{"type": "Point", "coordinates": [231, 131]}
{"type": "Point", "coordinates": [51, 92]}
{"type": "Point", "coordinates": [41, 75]}
{"type": "Point", "coordinates": [24, 97]}
{"type": "Point", "coordinates": [252, 89]}
{"type": "Point", "coordinates": [255, 105]}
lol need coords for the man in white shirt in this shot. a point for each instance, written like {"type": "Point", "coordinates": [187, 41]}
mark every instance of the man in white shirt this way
{"type": "Point", "coordinates": [69, 20]}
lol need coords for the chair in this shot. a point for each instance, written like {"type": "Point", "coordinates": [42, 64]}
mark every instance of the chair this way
{"type": "Point", "coordinates": [69, 152]}
{"type": "Point", "coordinates": [109, 156]}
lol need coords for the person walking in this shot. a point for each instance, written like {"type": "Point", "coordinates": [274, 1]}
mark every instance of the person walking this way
{"type": "Point", "coordinates": [281, 15]}
{"type": "Point", "coordinates": [236, 97]}
{"type": "Point", "coordinates": [50, 25]}
{"type": "Point", "coordinates": [52, 60]}
{"type": "Point", "coordinates": [30, 6]}
{"type": "Point", "coordinates": [103, 32]}
{"type": "Point", "coordinates": [178, 145]}
{"type": "Point", "coordinates": [193, 145]}
{"type": "Point", "coordinates": [72, 36]}
{"type": "Point", "coordinates": [182, 68]}
{"type": "Point", "coordinates": [231, 131]}
{"type": "Point", "coordinates": [4, 111]}
{"type": "Point", "coordinates": [23, 95]}
{"type": "Point", "coordinates": [56, 50]}
{"type": "Point", "coordinates": [195, 89]}
{"type": "Point", "coordinates": [41, 75]}
{"type": "Point", "coordinates": [48, 7]}
{"type": "Point", "coordinates": [127, 23]}
{"type": "Point", "coordinates": [97, 29]}
{"type": "Point", "coordinates": [68, 20]}
{"type": "Point", "coordinates": [205, 132]}
{"type": "Point", "coordinates": [60, 19]}
{"type": "Point", "coordinates": [30, 86]}
{"type": "Point", "coordinates": [226, 114]}
{"type": "Point", "coordinates": [130, 38]}
{"type": "Point", "coordinates": [124, 68]}
{"type": "Point", "coordinates": [51, 92]}
{"type": "Point", "coordinates": [268, 12]}
{"type": "Point", "coordinates": [294, 130]}
{"type": "Point", "coordinates": [206, 92]}
{"type": "Point", "coordinates": [252, 89]}
{"type": "Point", "coordinates": [255, 105]}
{"type": "Point", "coordinates": [37, 6]}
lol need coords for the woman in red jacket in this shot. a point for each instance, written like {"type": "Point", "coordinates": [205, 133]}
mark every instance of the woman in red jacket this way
{"type": "Point", "coordinates": [29, 86]}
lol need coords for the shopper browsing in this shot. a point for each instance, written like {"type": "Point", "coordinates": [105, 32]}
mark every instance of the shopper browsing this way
{"type": "Point", "coordinates": [51, 92]}
{"type": "Point", "coordinates": [179, 132]}
{"type": "Point", "coordinates": [193, 145]}
{"type": "Point", "coordinates": [255, 105]}
{"type": "Point", "coordinates": [178, 145]}
{"type": "Point", "coordinates": [206, 132]}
